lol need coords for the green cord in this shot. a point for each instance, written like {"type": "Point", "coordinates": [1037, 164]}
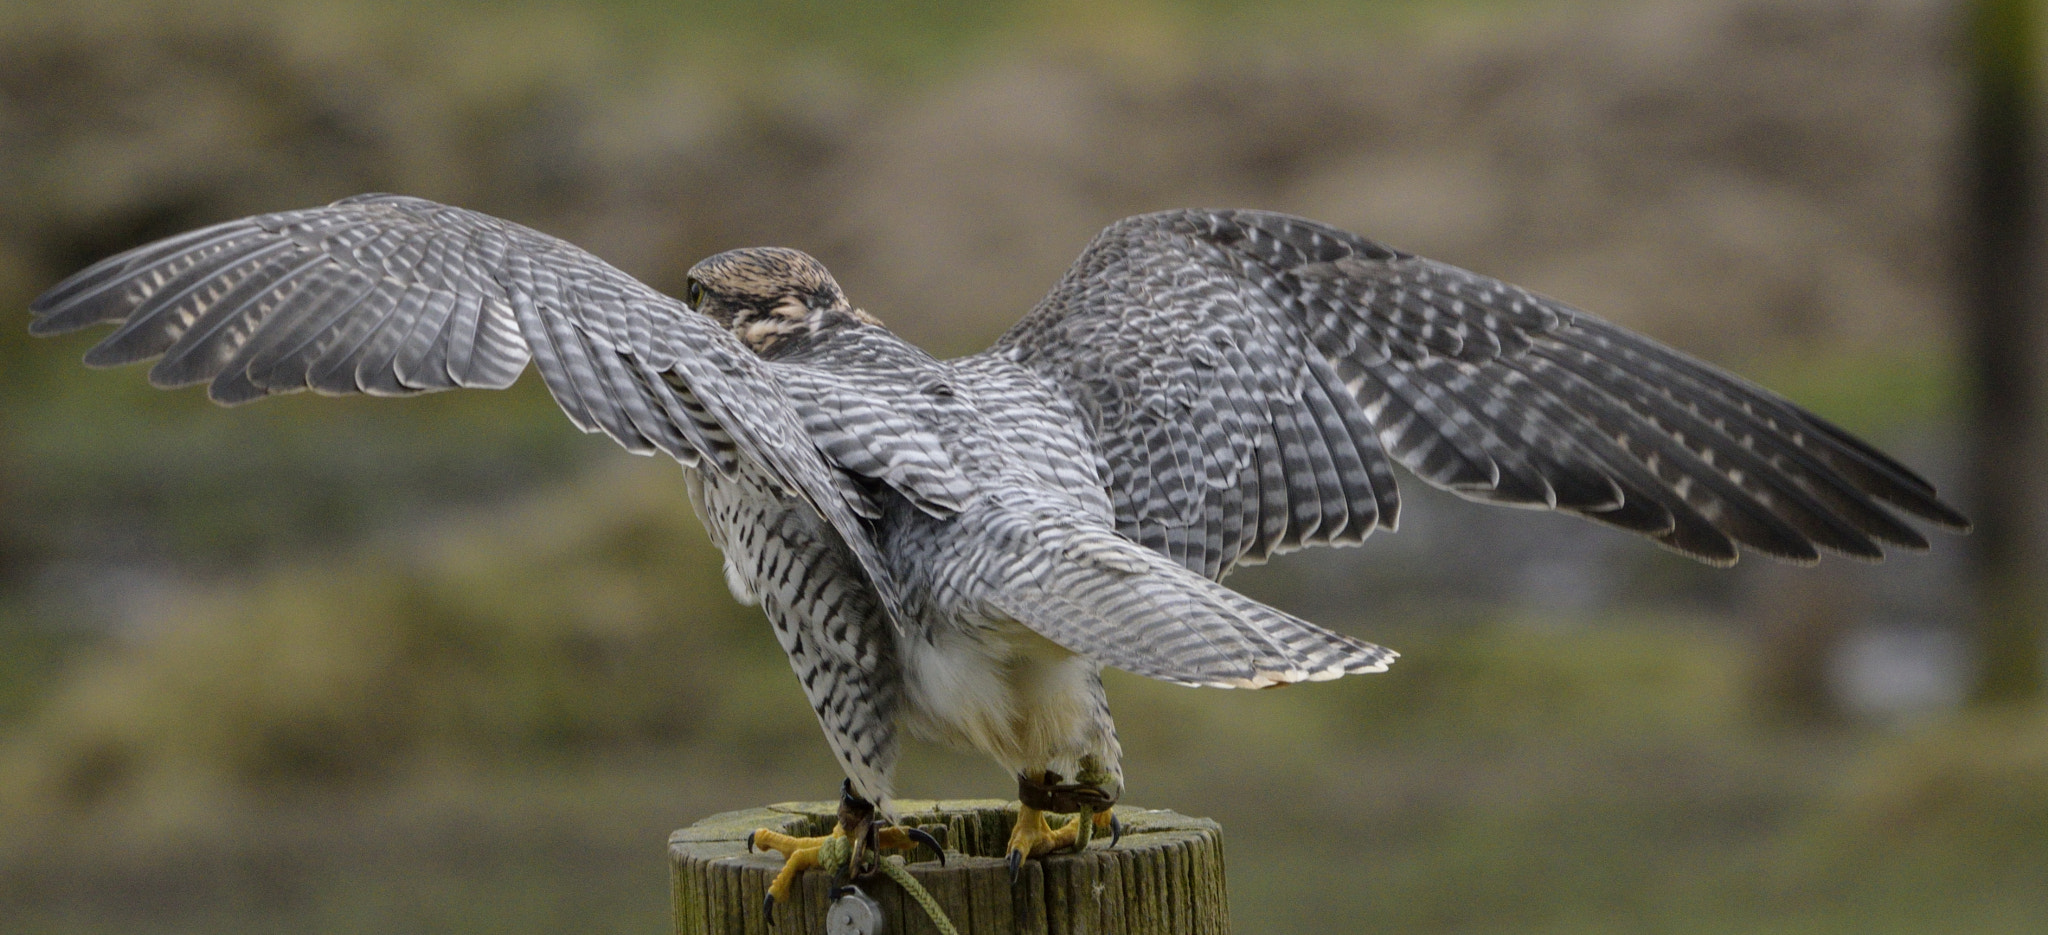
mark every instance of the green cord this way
{"type": "Point", "coordinates": [834, 853]}
{"type": "Point", "coordinates": [837, 850]}
{"type": "Point", "coordinates": [893, 866]}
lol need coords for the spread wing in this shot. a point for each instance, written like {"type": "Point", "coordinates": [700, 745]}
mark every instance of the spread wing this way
{"type": "Point", "coordinates": [1249, 377]}
{"type": "Point", "coordinates": [393, 296]}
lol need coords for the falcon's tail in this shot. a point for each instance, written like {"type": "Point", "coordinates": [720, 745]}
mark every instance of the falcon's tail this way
{"type": "Point", "coordinates": [1108, 598]}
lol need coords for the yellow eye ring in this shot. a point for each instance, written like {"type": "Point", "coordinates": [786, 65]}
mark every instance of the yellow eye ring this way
{"type": "Point", "coordinates": [694, 294]}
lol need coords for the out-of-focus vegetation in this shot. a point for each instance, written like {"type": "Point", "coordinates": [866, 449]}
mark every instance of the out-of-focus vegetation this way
{"type": "Point", "coordinates": [440, 664]}
{"type": "Point", "coordinates": [430, 734]}
{"type": "Point", "coordinates": [426, 736]}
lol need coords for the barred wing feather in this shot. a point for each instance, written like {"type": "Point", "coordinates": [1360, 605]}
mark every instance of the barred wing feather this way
{"type": "Point", "coordinates": [1249, 376]}
{"type": "Point", "coordinates": [392, 296]}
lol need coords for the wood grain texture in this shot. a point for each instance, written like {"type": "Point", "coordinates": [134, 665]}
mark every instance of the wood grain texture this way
{"type": "Point", "coordinates": [1165, 876]}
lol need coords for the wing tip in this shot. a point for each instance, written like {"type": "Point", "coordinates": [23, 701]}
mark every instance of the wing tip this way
{"type": "Point", "coordinates": [50, 319]}
{"type": "Point", "coordinates": [1943, 516]}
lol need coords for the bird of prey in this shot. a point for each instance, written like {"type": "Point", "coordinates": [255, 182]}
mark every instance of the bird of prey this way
{"type": "Point", "coordinates": [958, 547]}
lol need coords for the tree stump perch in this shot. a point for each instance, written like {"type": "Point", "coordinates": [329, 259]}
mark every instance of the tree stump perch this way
{"type": "Point", "coordinates": [1164, 878]}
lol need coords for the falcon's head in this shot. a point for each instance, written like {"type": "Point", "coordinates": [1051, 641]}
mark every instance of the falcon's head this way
{"type": "Point", "coordinates": [768, 295]}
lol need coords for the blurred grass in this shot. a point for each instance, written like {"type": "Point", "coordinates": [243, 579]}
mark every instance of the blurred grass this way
{"type": "Point", "coordinates": [471, 730]}
{"type": "Point", "coordinates": [917, 42]}
{"type": "Point", "coordinates": [493, 643]}
{"type": "Point", "coordinates": [749, 44]}
{"type": "Point", "coordinates": [1870, 392]}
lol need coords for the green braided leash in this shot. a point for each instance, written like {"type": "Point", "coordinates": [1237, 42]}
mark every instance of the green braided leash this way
{"type": "Point", "coordinates": [893, 866]}
{"type": "Point", "coordinates": [836, 851]}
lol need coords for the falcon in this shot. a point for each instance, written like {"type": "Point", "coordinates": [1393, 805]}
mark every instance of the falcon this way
{"type": "Point", "coordinates": [959, 547]}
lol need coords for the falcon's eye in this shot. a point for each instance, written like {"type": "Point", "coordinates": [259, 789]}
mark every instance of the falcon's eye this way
{"type": "Point", "coordinates": [694, 294]}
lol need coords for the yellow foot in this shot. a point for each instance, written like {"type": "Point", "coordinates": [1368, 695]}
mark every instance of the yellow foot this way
{"type": "Point", "coordinates": [1033, 836]}
{"type": "Point", "coordinates": [832, 851]}
{"type": "Point", "coordinates": [798, 855]}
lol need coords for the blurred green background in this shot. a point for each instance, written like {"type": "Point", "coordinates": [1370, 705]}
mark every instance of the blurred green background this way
{"type": "Point", "coordinates": [444, 665]}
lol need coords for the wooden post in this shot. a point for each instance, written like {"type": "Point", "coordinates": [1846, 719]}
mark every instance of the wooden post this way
{"type": "Point", "coordinates": [1164, 878]}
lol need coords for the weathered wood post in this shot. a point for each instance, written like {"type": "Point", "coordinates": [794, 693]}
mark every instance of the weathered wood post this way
{"type": "Point", "coordinates": [1164, 878]}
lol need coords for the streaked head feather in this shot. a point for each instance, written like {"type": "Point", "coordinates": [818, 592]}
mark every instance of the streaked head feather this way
{"type": "Point", "coordinates": [768, 295]}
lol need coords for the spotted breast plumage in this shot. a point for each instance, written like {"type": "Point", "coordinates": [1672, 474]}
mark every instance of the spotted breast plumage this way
{"type": "Point", "coordinates": [958, 547]}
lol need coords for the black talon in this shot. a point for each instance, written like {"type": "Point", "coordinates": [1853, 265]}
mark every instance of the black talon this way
{"type": "Point", "coordinates": [920, 836]}
{"type": "Point", "coordinates": [1116, 830]}
{"type": "Point", "coordinates": [750, 840]}
{"type": "Point", "coordinates": [768, 909]}
{"type": "Point", "coordinates": [1016, 862]}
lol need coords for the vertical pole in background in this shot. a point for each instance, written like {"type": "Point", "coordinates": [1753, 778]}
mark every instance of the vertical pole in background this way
{"type": "Point", "coordinates": [2002, 305]}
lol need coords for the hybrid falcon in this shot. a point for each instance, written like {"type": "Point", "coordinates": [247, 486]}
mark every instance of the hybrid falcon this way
{"type": "Point", "coordinates": [958, 547]}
